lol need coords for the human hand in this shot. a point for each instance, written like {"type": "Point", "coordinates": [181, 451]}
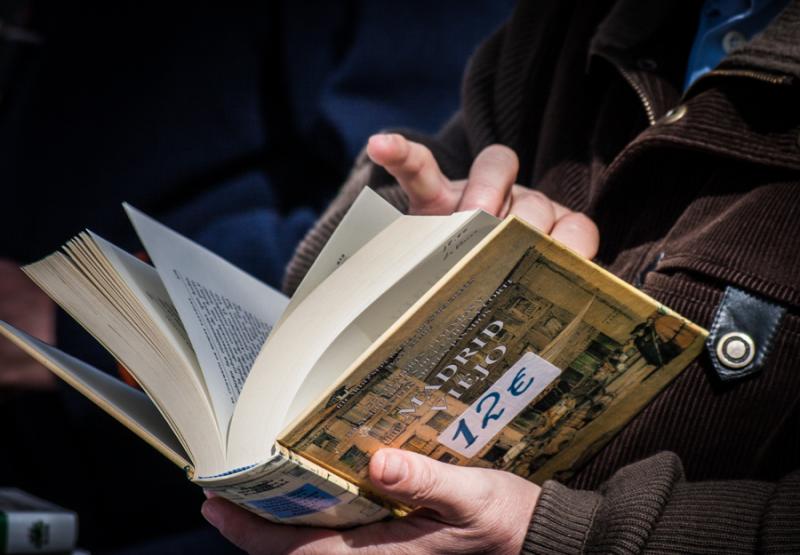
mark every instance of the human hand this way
{"type": "Point", "coordinates": [462, 510]}
{"type": "Point", "coordinates": [25, 306]}
{"type": "Point", "coordinates": [490, 186]}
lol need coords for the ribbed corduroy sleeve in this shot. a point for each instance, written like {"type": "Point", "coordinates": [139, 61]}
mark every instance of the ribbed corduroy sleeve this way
{"type": "Point", "coordinates": [649, 507]}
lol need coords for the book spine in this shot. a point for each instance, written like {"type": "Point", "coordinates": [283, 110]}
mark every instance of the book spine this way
{"type": "Point", "coordinates": [37, 532]}
{"type": "Point", "coordinates": [288, 489]}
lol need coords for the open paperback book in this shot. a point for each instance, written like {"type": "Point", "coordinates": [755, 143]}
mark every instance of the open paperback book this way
{"type": "Point", "coordinates": [469, 339]}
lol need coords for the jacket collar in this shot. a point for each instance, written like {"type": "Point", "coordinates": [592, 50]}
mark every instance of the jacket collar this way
{"type": "Point", "coordinates": [775, 50]}
{"type": "Point", "coordinates": [630, 23]}
{"type": "Point", "coordinates": [757, 120]}
{"type": "Point", "coordinates": [632, 26]}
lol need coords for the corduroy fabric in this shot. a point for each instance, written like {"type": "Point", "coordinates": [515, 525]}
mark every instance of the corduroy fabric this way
{"type": "Point", "coordinates": [717, 192]}
{"type": "Point", "coordinates": [648, 507]}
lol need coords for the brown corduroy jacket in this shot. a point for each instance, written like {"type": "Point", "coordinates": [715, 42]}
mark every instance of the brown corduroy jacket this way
{"type": "Point", "coordinates": [692, 191]}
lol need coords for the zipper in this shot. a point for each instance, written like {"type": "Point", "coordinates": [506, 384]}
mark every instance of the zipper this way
{"type": "Point", "coordinates": [646, 102]}
{"type": "Point", "coordinates": [762, 76]}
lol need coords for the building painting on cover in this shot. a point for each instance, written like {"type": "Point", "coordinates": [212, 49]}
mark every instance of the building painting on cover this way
{"type": "Point", "coordinates": [525, 355]}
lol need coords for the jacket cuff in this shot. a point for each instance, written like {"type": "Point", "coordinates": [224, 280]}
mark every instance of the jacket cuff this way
{"type": "Point", "coordinates": [620, 514]}
{"type": "Point", "coordinates": [561, 521]}
{"type": "Point", "coordinates": [714, 517]}
{"type": "Point", "coordinates": [649, 505]}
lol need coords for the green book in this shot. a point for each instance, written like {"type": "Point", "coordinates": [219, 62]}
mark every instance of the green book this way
{"type": "Point", "coordinates": [31, 525]}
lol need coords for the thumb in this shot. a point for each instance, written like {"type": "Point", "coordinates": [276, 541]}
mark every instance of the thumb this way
{"type": "Point", "coordinates": [419, 481]}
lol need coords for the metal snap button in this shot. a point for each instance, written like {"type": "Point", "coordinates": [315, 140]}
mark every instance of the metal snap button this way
{"type": "Point", "coordinates": [675, 114]}
{"type": "Point", "coordinates": [732, 40]}
{"type": "Point", "coordinates": [736, 349]}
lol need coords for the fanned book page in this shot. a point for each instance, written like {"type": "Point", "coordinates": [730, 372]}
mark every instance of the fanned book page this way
{"type": "Point", "coordinates": [227, 313]}
{"type": "Point", "coordinates": [119, 301]}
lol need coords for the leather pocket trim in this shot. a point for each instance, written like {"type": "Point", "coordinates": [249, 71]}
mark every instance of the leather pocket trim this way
{"type": "Point", "coordinates": [742, 334]}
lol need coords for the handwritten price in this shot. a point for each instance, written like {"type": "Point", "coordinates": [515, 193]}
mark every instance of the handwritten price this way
{"type": "Point", "coordinates": [501, 403]}
{"type": "Point", "coordinates": [515, 389]}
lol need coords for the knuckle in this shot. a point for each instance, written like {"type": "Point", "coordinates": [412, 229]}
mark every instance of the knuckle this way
{"type": "Point", "coordinates": [578, 219]}
{"type": "Point", "coordinates": [536, 197]}
{"type": "Point", "coordinates": [484, 196]}
{"type": "Point", "coordinates": [536, 208]}
{"type": "Point", "coordinates": [417, 157]}
{"type": "Point", "coordinates": [425, 484]}
{"type": "Point", "coordinates": [580, 223]}
{"type": "Point", "coordinates": [500, 155]}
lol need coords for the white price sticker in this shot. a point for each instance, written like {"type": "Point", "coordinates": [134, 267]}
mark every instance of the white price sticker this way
{"type": "Point", "coordinates": [499, 405]}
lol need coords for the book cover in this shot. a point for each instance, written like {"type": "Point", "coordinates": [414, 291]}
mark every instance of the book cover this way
{"type": "Point", "coordinates": [524, 358]}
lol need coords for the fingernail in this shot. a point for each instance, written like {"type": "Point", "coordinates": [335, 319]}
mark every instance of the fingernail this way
{"type": "Point", "coordinates": [211, 514]}
{"type": "Point", "coordinates": [395, 469]}
{"type": "Point", "coordinates": [389, 139]}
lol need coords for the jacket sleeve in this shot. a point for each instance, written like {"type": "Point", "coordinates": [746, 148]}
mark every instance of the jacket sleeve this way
{"type": "Point", "coordinates": [650, 507]}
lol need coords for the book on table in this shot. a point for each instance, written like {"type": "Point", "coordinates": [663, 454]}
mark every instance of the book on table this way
{"type": "Point", "coordinates": [29, 524]}
{"type": "Point", "coordinates": [466, 338]}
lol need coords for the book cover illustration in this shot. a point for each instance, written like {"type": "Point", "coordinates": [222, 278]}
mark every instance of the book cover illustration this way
{"type": "Point", "coordinates": [528, 361]}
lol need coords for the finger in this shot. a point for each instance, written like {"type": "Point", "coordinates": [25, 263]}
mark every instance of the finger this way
{"type": "Point", "coordinates": [419, 481]}
{"type": "Point", "coordinates": [506, 210]}
{"type": "Point", "coordinates": [560, 210]}
{"type": "Point", "coordinates": [258, 536]}
{"type": "Point", "coordinates": [533, 207]}
{"type": "Point", "coordinates": [490, 179]}
{"type": "Point", "coordinates": [414, 167]}
{"type": "Point", "coordinates": [577, 232]}
{"type": "Point", "coordinates": [252, 533]}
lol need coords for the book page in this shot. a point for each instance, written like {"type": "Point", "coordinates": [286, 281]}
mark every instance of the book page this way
{"type": "Point", "coordinates": [91, 290]}
{"type": "Point", "coordinates": [143, 281]}
{"type": "Point", "coordinates": [369, 215]}
{"type": "Point", "coordinates": [311, 329]}
{"type": "Point", "coordinates": [226, 312]}
{"type": "Point", "coordinates": [129, 406]}
{"type": "Point", "coordinates": [387, 309]}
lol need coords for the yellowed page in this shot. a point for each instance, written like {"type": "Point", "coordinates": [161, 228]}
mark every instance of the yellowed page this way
{"type": "Point", "coordinates": [146, 286]}
{"type": "Point", "coordinates": [108, 310]}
